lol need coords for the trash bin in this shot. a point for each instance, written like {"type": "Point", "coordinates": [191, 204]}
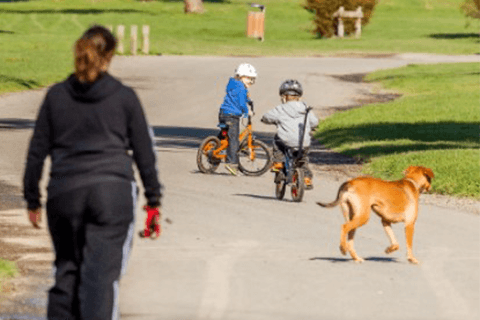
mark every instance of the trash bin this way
{"type": "Point", "coordinates": [256, 22]}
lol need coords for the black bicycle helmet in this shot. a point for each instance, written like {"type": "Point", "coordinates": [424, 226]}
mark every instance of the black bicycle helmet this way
{"type": "Point", "coordinates": [291, 87]}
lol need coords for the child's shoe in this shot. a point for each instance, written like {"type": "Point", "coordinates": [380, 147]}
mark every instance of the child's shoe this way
{"type": "Point", "coordinates": [308, 183]}
{"type": "Point", "coordinates": [276, 166]}
{"type": "Point", "coordinates": [232, 168]}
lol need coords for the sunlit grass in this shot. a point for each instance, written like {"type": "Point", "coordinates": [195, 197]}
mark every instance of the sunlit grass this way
{"type": "Point", "coordinates": [436, 123]}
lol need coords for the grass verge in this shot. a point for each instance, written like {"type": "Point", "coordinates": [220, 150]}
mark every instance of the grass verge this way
{"type": "Point", "coordinates": [37, 36]}
{"type": "Point", "coordinates": [8, 270]}
{"type": "Point", "coordinates": [434, 124]}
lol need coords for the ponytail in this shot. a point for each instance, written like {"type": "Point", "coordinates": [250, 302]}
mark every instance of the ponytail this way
{"type": "Point", "coordinates": [93, 52]}
{"type": "Point", "coordinates": [87, 60]}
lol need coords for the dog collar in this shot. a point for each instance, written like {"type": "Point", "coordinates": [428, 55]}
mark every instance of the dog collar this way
{"type": "Point", "coordinates": [414, 183]}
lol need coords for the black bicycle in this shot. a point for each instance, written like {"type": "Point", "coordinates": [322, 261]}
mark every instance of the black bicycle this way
{"type": "Point", "coordinates": [293, 171]}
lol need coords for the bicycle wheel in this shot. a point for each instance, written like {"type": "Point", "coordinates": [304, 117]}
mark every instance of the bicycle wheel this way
{"type": "Point", "coordinates": [205, 161]}
{"type": "Point", "coordinates": [256, 164]}
{"type": "Point", "coordinates": [298, 185]}
{"type": "Point", "coordinates": [280, 185]}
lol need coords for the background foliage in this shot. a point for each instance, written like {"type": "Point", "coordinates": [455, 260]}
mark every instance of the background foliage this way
{"type": "Point", "coordinates": [36, 36]}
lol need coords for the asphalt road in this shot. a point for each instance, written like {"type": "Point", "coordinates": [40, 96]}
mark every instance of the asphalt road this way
{"type": "Point", "coordinates": [234, 252]}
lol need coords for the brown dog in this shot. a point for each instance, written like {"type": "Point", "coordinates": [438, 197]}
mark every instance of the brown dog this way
{"type": "Point", "coordinates": [393, 201]}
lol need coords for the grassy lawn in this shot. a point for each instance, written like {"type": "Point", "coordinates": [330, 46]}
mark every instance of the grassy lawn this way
{"type": "Point", "coordinates": [434, 124]}
{"type": "Point", "coordinates": [37, 35]}
{"type": "Point", "coordinates": [7, 270]}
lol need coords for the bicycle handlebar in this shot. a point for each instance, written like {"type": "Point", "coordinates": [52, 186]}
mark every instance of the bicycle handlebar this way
{"type": "Point", "coordinates": [250, 103]}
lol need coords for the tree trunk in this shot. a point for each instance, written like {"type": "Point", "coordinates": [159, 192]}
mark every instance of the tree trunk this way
{"type": "Point", "coordinates": [193, 6]}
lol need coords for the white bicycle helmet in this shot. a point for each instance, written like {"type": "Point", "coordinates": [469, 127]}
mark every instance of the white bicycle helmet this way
{"type": "Point", "coordinates": [246, 70]}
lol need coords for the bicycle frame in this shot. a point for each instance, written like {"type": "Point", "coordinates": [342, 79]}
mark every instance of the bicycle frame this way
{"type": "Point", "coordinates": [291, 163]}
{"type": "Point", "coordinates": [246, 133]}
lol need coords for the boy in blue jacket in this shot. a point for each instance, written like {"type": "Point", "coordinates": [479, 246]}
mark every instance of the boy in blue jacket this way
{"type": "Point", "coordinates": [234, 106]}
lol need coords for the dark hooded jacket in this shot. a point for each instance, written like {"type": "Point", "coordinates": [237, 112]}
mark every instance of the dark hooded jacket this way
{"type": "Point", "coordinates": [93, 133]}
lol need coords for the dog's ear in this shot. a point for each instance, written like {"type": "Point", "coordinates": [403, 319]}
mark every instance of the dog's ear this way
{"type": "Point", "coordinates": [428, 173]}
{"type": "Point", "coordinates": [408, 170]}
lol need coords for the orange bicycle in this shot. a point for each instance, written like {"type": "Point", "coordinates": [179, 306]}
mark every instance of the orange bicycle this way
{"type": "Point", "coordinates": [254, 156]}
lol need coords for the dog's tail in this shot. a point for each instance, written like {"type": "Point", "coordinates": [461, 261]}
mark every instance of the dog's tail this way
{"type": "Point", "coordinates": [343, 189]}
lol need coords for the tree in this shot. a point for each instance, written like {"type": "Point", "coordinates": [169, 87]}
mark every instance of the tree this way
{"type": "Point", "coordinates": [193, 6]}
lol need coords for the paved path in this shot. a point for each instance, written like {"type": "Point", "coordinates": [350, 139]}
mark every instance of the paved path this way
{"type": "Point", "coordinates": [234, 252]}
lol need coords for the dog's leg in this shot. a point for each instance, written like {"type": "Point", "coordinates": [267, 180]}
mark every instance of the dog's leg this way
{"type": "Point", "coordinates": [357, 221]}
{"type": "Point", "coordinates": [409, 230]}
{"type": "Point", "coordinates": [348, 213]}
{"type": "Point", "coordinates": [346, 210]}
{"type": "Point", "coordinates": [394, 243]}
{"type": "Point", "coordinates": [351, 247]}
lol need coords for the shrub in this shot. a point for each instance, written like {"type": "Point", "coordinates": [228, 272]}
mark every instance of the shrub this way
{"type": "Point", "coordinates": [326, 25]}
{"type": "Point", "coordinates": [471, 8]}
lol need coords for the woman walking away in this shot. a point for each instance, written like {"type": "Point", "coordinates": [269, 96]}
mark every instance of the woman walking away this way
{"type": "Point", "coordinates": [93, 127]}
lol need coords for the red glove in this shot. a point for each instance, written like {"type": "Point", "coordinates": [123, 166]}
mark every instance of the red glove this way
{"type": "Point", "coordinates": [153, 216]}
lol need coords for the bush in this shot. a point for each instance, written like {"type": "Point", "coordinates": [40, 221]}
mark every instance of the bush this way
{"type": "Point", "coordinates": [326, 25]}
{"type": "Point", "coordinates": [471, 8]}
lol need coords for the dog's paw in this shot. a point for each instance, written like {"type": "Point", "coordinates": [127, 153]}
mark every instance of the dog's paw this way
{"type": "Point", "coordinates": [392, 248]}
{"type": "Point", "coordinates": [359, 260]}
{"type": "Point", "coordinates": [343, 249]}
{"type": "Point", "coordinates": [412, 260]}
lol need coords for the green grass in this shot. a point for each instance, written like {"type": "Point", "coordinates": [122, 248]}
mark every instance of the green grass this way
{"type": "Point", "coordinates": [36, 36]}
{"type": "Point", "coordinates": [8, 270]}
{"type": "Point", "coordinates": [434, 124]}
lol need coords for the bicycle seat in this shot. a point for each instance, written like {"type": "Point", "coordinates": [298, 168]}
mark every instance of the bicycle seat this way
{"type": "Point", "coordinates": [222, 125]}
{"type": "Point", "coordinates": [293, 152]}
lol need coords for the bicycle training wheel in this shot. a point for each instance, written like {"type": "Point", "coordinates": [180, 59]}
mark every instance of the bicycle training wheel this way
{"type": "Point", "coordinates": [254, 162]}
{"type": "Point", "coordinates": [298, 185]}
{"type": "Point", "coordinates": [205, 161]}
{"type": "Point", "coordinates": [280, 185]}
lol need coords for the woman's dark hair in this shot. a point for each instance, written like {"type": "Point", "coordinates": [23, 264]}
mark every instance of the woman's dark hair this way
{"type": "Point", "coordinates": [93, 52]}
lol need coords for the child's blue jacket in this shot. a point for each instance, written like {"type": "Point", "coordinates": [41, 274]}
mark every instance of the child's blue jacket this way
{"type": "Point", "coordinates": [235, 102]}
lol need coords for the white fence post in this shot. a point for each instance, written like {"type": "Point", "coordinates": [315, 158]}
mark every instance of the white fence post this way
{"type": "Point", "coordinates": [120, 36]}
{"type": "Point", "coordinates": [341, 13]}
{"type": "Point", "coordinates": [133, 40]}
{"type": "Point", "coordinates": [358, 23]}
{"type": "Point", "coordinates": [146, 40]}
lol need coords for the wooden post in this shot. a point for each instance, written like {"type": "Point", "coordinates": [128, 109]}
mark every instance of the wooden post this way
{"type": "Point", "coordinates": [146, 40]}
{"type": "Point", "coordinates": [133, 40]}
{"type": "Point", "coordinates": [358, 23]}
{"type": "Point", "coordinates": [120, 36]}
{"type": "Point", "coordinates": [340, 31]}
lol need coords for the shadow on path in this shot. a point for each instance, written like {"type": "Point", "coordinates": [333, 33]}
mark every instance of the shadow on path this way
{"type": "Point", "coordinates": [191, 137]}
{"type": "Point", "coordinates": [336, 260]}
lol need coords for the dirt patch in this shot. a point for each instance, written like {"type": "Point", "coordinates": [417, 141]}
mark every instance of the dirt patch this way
{"type": "Point", "coordinates": [362, 99]}
{"type": "Point", "coordinates": [23, 297]}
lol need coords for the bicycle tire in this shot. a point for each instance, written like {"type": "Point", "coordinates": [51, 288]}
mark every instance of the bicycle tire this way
{"type": "Point", "coordinates": [262, 153]}
{"type": "Point", "coordinates": [208, 144]}
{"type": "Point", "coordinates": [280, 186]}
{"type": "Point", "coordinates": [298, 185]}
